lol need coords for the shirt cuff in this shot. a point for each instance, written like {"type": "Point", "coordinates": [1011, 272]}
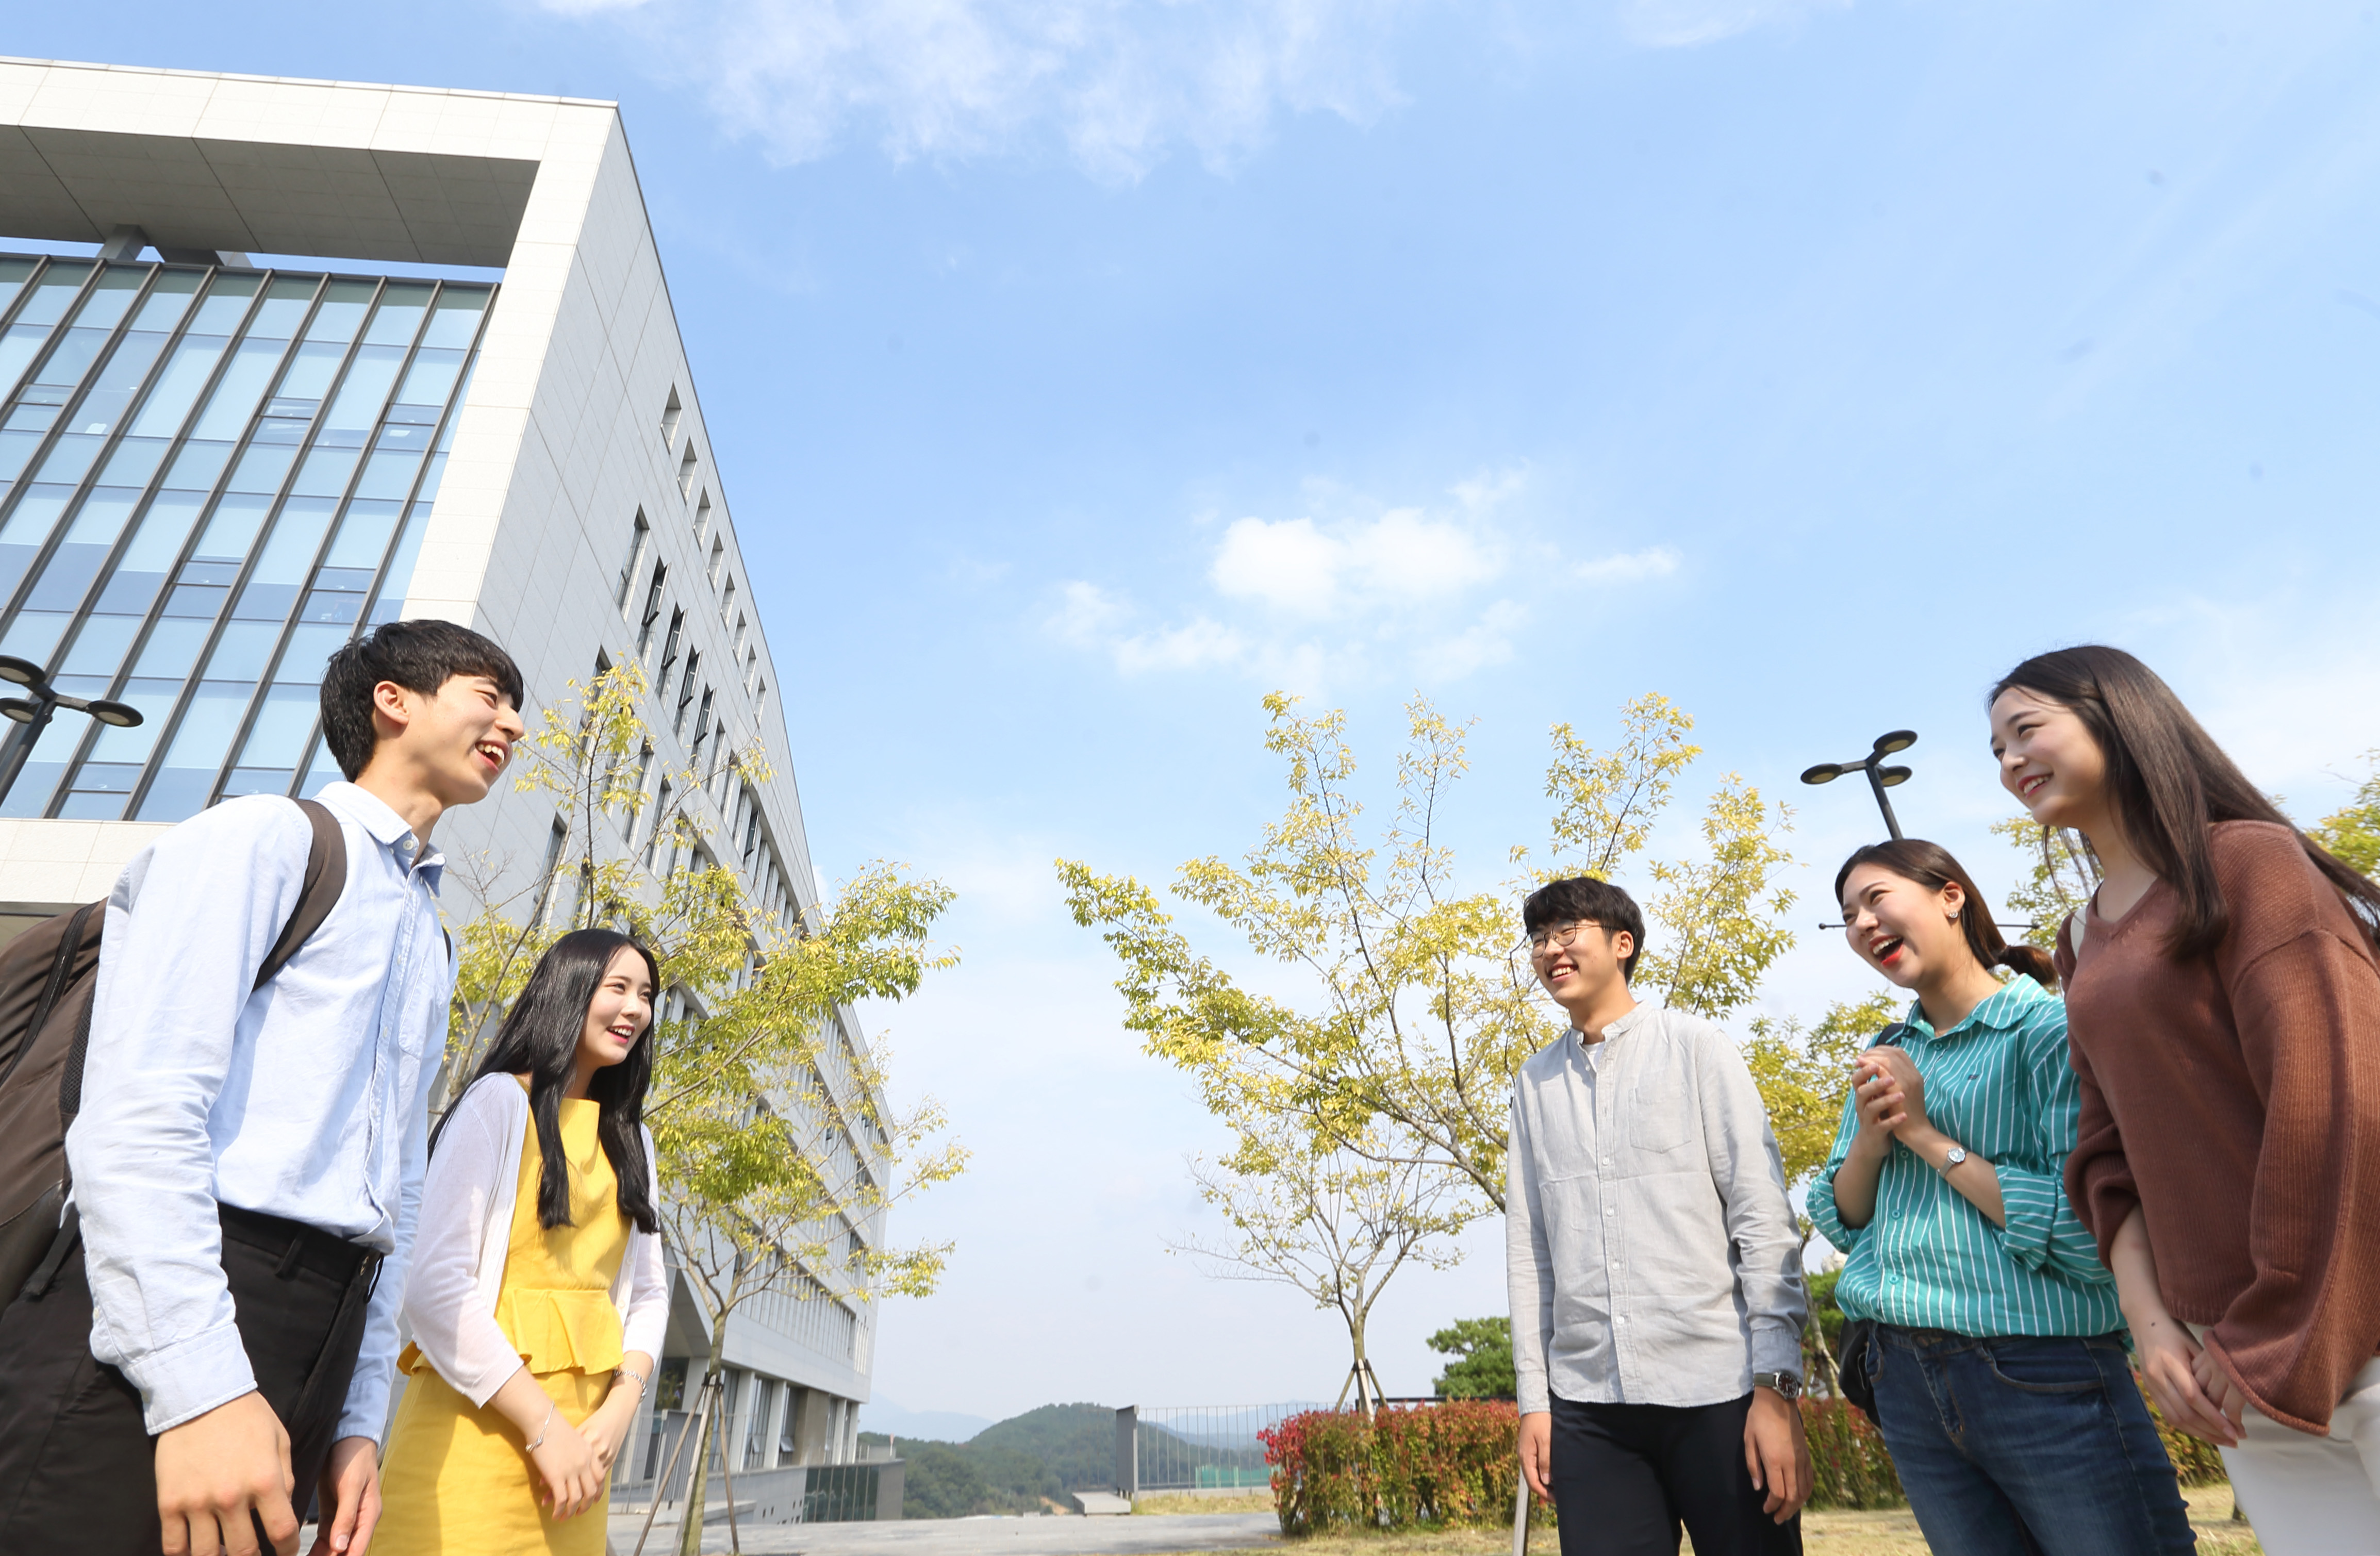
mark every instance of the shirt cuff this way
{"type": "Point", "coordinates": [366, 1411]}
{"type": "Point", "coordinates": [1534, 1395]}
{"type": "Point", "coordinates": [1776, 1349]}
{"type": "Point", "coordinates": [183, 1381]}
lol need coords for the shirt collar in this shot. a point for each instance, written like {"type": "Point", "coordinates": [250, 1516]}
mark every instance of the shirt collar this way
{"type": "Point", "coordinates": [1626, 1024]}
{"type": "Point", "coordinates": [2005, 1009]}
{"type": "Point", "coordinates": [387, 828]}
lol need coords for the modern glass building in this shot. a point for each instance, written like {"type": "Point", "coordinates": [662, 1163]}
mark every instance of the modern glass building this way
{"type": "Point", "coordinates": [279, 360]}
{"type": "Point", "coordinates": [212, 470]}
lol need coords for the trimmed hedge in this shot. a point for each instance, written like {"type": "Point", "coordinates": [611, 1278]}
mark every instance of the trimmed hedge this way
{"type": "Point", "coordinates": [1458, 1463]}
{"type": "Point", "coordinates": [1455, 1463]}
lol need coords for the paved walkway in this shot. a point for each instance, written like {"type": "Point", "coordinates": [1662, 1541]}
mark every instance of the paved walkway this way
{"type": "Point", "coordinates": [978, 1537]}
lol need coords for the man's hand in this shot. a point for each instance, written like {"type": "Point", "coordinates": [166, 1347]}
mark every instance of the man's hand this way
{"type": "Point", "coordinates": [218, 1473]}
{"type": "Point", "coordinates": [350, 1498]}
{"type": "Point", "coordinates": [1776, 1453]}
{"type": "Point", "coordinates": [1537, 1450]}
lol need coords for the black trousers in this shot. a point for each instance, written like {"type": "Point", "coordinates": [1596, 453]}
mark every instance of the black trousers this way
{"type": "Point", "coordinates": [1624, 1477]}
{"type": "Point", "coordinates": [78, 1467]}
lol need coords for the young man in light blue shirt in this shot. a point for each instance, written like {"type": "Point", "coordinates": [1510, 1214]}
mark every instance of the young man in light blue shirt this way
{"type": "Point", "coordinates": [246, 1163]}
{"type": "Point", "coordinates": [1655, 1269]}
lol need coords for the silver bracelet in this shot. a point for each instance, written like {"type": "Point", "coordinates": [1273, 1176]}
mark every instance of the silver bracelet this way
{"type": "Point", "coordinates": [640, 1377]}
{"type": "Point", "coordinates": [542, 1428]}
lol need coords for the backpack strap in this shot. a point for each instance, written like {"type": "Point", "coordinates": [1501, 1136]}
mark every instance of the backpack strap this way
{"type": "Point", "coordinates": [326, 877]}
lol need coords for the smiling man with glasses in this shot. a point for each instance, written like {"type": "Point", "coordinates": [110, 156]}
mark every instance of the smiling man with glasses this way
{"type": "Point", "coordinates": [1655, 1273]}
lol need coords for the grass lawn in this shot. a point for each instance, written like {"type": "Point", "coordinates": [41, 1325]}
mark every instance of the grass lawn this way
{"type": "Point", "coordinates": [1892, 1533]}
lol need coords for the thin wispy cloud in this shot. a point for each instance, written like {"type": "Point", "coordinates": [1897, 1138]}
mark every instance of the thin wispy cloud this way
{"type": "Point", "coordinates": [1679, 24]}
{"type": "Point", "coordinates": [1121, 84]}
{"type": "Point", "coordinates": [1633, 566]}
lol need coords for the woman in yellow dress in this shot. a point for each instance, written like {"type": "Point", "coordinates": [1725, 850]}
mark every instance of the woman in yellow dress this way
{"type": "Point", "coordinates": [536, 1294]}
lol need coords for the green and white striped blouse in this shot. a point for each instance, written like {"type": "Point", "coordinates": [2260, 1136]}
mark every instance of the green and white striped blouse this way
{"type": "Point", "coordinates": [1999, 1084]}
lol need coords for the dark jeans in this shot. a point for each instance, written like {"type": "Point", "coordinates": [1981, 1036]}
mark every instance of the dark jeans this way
{"type": "Point", "coordinates": [78, 1466]}
{"type": "Point", "coordinates": [1624, 1477]}
{"type": "Point", "coordinates": [2025, 1446]}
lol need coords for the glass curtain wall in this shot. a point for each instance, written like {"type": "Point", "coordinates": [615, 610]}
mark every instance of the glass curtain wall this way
{"type": "Point", "coordinates": [212, 478]}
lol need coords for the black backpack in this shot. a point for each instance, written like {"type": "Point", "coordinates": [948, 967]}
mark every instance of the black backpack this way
{"type": "Point", "coordinates": [47, 977]}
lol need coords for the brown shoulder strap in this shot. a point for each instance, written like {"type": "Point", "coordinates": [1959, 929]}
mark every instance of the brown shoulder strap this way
{"type": "Point", "coordinates": [326, 877]}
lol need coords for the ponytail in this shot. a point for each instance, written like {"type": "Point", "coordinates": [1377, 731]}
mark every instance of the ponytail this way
{"type": "Point", "coordinates": [1934, 866]}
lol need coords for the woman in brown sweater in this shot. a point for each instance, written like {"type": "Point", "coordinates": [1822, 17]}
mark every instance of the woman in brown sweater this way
{"type": "Point", "coordinates": [2223, 1003]}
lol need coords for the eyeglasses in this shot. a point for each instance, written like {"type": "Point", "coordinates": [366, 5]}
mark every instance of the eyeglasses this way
{"type": "Point", "coordinates": [1556, 937]}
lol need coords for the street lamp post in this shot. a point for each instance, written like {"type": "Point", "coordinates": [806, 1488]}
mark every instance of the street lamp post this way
{"type": "Point", "coordinates": [34, 713]}
{"type": "Point", "coordinates": [1879, 778]}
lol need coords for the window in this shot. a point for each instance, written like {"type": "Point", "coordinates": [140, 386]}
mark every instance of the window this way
{"type": "Point", "coordinates": [702, 517]}
{"type": "Point", "coordinates": [701, 720]}
{"type": "Point", "coordinates": [718, 556]}
{"type": "Point", "coordinates": [669, 649]}
{"type": "Point", "coordinates": [644, 775]}
{"type": "Point", "coordinates": [752, 671]}
{"type": "Point", "coordinates": [726, 608]}
{"type": "Point", "coordinates": [637, 540]}
{"type": "Point", "coordinates": [759, 695]}
{"type": "Point", "coordinates": [670, 414]}
{"type": "Point", "coordinates": [686, 694]}
{"type": "Point", "coordinates": [661, 821]}
{"type": "Point", "coordinates": [555, 841]}
{"type": "Point", "coordinates": [652, 611]}
{"type": "Point", "coordinates": [685, 471]}
{"type": "Point", "coordinates": [742, 627]}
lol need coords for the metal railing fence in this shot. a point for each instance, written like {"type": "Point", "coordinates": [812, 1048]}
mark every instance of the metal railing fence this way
{"type": "Point", "coordinates": [1195, 1447]}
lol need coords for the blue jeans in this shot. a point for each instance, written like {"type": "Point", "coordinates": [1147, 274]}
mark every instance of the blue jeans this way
{"type": "Point", "coordinates": [2015, 1445]}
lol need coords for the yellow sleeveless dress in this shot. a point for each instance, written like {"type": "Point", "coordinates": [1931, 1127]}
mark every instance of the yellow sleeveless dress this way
{"type": "Point", "coordinates": [454, 1478]}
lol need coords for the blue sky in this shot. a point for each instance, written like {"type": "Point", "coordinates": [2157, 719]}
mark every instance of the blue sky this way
{"type": "Point", "coordinates": [1079, 371]}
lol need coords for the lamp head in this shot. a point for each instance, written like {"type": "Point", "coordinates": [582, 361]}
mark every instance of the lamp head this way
{"type": "Point", "coordinates": [1825, 773]}
{"type": "Point", "coordinates": [1888, 776]}
{"type": "Point", "coordinates": [1895, 740]}
{"type": "Point", "coordinates": [23, 671]}
{"type": "Point", "coordinates": [122, 715]}
{"type": "Point", "coordinates": [24, 709]}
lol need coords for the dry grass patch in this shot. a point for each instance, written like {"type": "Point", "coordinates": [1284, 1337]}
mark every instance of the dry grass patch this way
{"type": "Point", "coordinates": [1892, 1532]}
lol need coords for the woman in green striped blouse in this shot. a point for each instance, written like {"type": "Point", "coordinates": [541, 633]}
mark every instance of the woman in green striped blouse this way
{"type": "Point", "coordinates": [2002, 1381]}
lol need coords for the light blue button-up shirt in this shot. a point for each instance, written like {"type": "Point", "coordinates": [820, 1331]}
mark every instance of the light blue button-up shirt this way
{"type": "Point", "coordinates": [302, 1100]}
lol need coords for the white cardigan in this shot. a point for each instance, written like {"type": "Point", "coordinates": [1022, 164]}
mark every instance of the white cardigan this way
{"type": "Point", "coordinates": [466, 1227]}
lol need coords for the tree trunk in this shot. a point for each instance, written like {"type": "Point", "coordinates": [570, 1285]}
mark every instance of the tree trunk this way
{"type": "Point", "coordinates": [690, 1523]}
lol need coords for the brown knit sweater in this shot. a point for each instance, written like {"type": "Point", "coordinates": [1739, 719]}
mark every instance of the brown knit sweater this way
{"type": "Point", "coordinates": [2236, 1100]}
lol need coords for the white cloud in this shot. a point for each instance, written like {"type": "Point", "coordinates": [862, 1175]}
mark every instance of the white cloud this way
{"type": "Point", "coordinates": [1401, 557]}
{"type": "Point", "coordinates": [1347, 591]}
{"type": "Point", "coordinates": [1634, 566]}
{"type": "Point", "coordinates": [1119, 83]}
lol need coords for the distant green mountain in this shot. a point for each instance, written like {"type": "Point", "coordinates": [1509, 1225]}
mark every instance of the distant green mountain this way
{"type": "Point", "coordinates": [1018, 1466]}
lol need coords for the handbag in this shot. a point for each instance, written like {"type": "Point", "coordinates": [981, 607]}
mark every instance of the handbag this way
{"type": "Point", "coordinates": [1851, 1374]}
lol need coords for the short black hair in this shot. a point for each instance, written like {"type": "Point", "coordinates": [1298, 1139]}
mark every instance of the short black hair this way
{"type": "Point", "coordinates": [1584, 899]}
{"type": "Point", "coordinates": [420, 656]}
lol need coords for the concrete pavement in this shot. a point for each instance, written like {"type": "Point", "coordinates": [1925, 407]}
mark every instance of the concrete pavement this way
{"type": "Point", "coordinates": [978, 1537]}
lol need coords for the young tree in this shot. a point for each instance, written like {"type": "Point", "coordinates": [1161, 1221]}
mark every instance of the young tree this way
{"type": "Point", "coordinates": [1803, 1074]}
{"type": "Point", "coordinates": [2062, 873]}
{"type": "Point", "coordinates": [2352, 832]}
{"type": "Point", "coordinates": [1423, 1003]}
{"type": "Point", "coordinates": [1334, 1224]}
{"type": "Point", "coordinates": [1482, 1368]}
{"type": "Point", "coordinates": [777, 1153]}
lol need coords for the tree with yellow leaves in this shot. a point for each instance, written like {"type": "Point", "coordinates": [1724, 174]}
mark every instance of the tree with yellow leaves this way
{"type": "Point", "coordinates": [777, 1153]}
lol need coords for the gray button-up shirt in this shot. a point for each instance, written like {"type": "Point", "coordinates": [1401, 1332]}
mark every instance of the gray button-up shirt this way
{"type": "Point", "coordinates": [1649, 1246]}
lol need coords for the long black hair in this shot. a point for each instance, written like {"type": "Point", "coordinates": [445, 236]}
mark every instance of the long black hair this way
{"type": "Point", "coordinates": [2170, 781]}
{"type": "Point", "coordinates": [1934, 866]}
{"type": "Point", "coordinates": [540, 1040]}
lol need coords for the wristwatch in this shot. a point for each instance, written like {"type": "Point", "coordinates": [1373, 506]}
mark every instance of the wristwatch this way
{"type": "Point", "coordinates": [1950, 1159]}
{"type": "Point", "coordinates": [1784, 1383]}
